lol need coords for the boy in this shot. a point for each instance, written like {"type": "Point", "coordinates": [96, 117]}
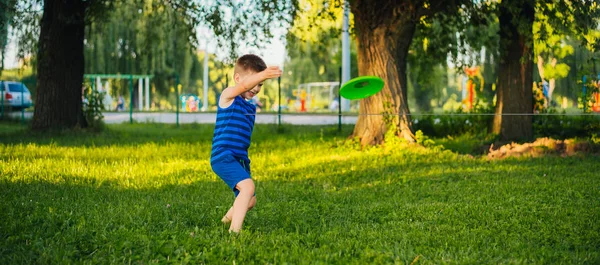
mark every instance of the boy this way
{"type": "Point", "coordinates": [233, 128]}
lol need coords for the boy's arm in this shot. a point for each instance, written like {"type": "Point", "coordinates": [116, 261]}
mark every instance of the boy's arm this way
{"type": "Point", "coordinates": [248, 83]}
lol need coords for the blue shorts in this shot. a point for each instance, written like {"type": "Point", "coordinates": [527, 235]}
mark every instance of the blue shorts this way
{"type": "Point", "coordinates": [232, 170]}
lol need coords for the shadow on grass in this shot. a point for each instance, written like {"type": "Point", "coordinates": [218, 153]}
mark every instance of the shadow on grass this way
{"type": "Point", "coordinates": [136, 134]}
{"type": "Point", "coordinates": [47, 222]}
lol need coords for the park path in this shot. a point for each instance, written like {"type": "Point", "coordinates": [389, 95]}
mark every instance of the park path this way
{"type": "Point", "coordinates": [261, 118]}
{"type": "Point", "coordinates": [296, 119]}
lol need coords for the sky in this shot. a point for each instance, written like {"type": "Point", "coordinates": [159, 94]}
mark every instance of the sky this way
{"type": "Point", "coordinates": [10, 58]}
{"type": "Point", "coordinates": [273, 53]}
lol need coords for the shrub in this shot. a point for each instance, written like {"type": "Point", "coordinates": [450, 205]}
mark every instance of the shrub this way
{"type": "Point", "coordinates": [93, 107]}
{"type": "Point", "coordinates": [550, 123]}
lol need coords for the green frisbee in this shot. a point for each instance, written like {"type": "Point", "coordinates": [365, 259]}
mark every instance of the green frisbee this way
{"type": "Point", "coordinates": [361, 87]}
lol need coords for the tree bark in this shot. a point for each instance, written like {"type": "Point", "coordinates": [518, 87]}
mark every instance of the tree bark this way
{"type": "Point", "coordinates": [515, 94]}
{"type": "Point", "coordinates": [60, 67]}
{"type": "Point", "coordinates": [384, 36]}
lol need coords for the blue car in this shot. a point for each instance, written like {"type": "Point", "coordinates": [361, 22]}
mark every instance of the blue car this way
{"type": "Point", "coordinates": [14, 95]}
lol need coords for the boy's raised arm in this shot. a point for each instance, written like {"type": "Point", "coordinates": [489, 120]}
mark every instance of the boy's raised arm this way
{"type": "Point", "coordinates": [249, 82]}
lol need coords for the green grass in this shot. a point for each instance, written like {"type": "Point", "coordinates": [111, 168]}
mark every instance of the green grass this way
{"type": "Point", "coordinates": [467, 143]}
{"type": "Point", "coordinates": [146, 194]}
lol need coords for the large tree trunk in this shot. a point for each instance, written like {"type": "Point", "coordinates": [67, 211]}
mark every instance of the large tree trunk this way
{"type": "Point", "coordinates": [58, 104]}
{"type": "Point", "coordinates": [515, 75]}
{"type": "Point", "coordinates": [383, 42]}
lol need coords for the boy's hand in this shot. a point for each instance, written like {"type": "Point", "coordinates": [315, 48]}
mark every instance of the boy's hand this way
{"type": "Point", "coordinates": [271, 72]}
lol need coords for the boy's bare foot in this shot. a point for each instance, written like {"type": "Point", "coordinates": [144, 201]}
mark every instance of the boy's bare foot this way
{"type": "Point", "coordinates": [226, 220]}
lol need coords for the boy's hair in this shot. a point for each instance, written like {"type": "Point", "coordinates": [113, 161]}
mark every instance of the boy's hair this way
{"type": "Point", "coordinates": [249, 62]}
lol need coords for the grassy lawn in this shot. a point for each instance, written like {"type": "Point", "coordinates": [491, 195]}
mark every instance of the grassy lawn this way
{"type": "Point", "coordinates": [146, 194]}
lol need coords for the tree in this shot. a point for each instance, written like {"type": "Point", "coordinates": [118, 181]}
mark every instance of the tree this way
{"type": "Point", "coordinates": [313, 46]}
{"type": "Point", "coordinates": [385, 31]}
{"type": "Point", "coordinates": [427, 70]}
{"type": "Point", "coordinates": [6, 13]}
{"type": "Point", "coordinates": [60, 56]}
{"type": "Point", "coordinates": [142, 39]}
{"type": "Point", "coordinates": [60, 65]}
{"type": "Point", "coordinates": [549, 51]}
{"type": "Point", "coordinates": [514, 93]}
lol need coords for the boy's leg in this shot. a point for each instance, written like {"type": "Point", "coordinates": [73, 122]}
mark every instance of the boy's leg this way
{"type": "Point", "coordinates": [241, 204]}
{"type": "Point", "coordinates": [229, 215]}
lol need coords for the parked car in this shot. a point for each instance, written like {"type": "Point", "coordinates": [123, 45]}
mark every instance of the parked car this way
{"type": "Point", "coordinates": [14, 95]}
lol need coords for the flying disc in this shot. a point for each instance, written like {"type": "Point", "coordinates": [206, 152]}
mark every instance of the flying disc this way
{"type": "Point", "coordinates": [361, 87]}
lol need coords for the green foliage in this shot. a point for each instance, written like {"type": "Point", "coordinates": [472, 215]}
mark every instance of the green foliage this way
{"type": "Point", "coordinates": [463, 35]}
{"type": "Point", "coordinates": [455, 123]}
{"type": "Point", "coordinates": [559, 71]}
{"type": "Point", "coordinates": [392, 124]}
{"type": "Point", "coordinates": [146, 194]}
{"type": "Point", "coordinates": [93, 107]}
{"type": "Point", "coordinates": [313, 45]}
{"type": "Point", "coordinates": [6, 16]}
{"type": "Point", "coordinates": [565, 126]}
{"type": "Point", "coordinates": [142, 38]}
{"type": "Point", "coordinates": [157, 37]}
{"type": "Point", "coordinates": [467, 36]}
{"type": "Point", "coordinates": [550, 123]}
{"type": "Point", "coordinates": [427, 77]}
{"type": "Point", "coordinates": [581, 62]}
{"type": "Point", "coordinates": [233, 21]}
{"type": "Point", "coordinates": [550, 44]}
{"type": "Point", "coordinates": [422, 139]}
{"type": "Point", "coordinates": [26, 21]}
{"type": "Point", "coordinates": [577, 19]}
{"type": "Point", "coordinates": [470, 144]}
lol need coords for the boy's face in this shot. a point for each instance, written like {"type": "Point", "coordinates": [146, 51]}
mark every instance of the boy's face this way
{"type": "Point", "coordinates": [252, 92]}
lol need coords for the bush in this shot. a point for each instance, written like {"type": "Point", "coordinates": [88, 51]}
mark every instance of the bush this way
{"type": "Point", "coordinates": [455, 123]}
{"type": "Point", "coordinates": [561, 125]}
{"type": "Point", "coordinates": [93, 107]}
{"type": "Point", "coordinates": [553, 124]}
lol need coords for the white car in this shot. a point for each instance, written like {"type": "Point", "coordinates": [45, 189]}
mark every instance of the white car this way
{"type": "Point", "coordinates": [14, 95]}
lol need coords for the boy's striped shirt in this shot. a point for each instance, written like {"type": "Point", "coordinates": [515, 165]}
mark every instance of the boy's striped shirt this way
{"type": "Point", "coordinates": [233, 129]}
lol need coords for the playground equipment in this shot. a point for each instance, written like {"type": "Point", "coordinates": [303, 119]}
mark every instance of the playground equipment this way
{"type": "Point", "coordinates": [596, 98]}
{"type": "Point", "coordinates": [468, 89]}
{"type": "Point", "coordinates": [190, 103]}
{"type": "Point", "coordinates": [539, 97]}
{"type": "Point", "coordinates": [98, 82]}
{"type": "Point", "coordinates": [143, 84]}
{"type": "Point", "coordinates": [593, 100]}
{"type": "Point", "coordinates": [308, 98]}
{"type": "Point", "coordinates": [357, 88]}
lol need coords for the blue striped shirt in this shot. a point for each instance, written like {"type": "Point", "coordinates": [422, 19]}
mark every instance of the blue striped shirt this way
{"type": "Point", "coordinates": [233, 129]}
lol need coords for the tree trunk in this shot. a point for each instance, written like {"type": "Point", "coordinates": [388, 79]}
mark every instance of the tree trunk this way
{"type": "Point", "coordinates": [515, 75]}
{"type": "Point", "coordinates": [540, 66]}
{"type": "Point", "coordinates": [60, 67]}
{"type": "Point", "coordinates": [382, 51]}
{"type": "Point", "coordinates": [552, 83]}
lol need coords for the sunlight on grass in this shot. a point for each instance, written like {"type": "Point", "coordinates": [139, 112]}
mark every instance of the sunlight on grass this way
{"type": "Point", "coordinates": [143, 166]}
{"type": "Point", "coordinates": [147, 193]}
